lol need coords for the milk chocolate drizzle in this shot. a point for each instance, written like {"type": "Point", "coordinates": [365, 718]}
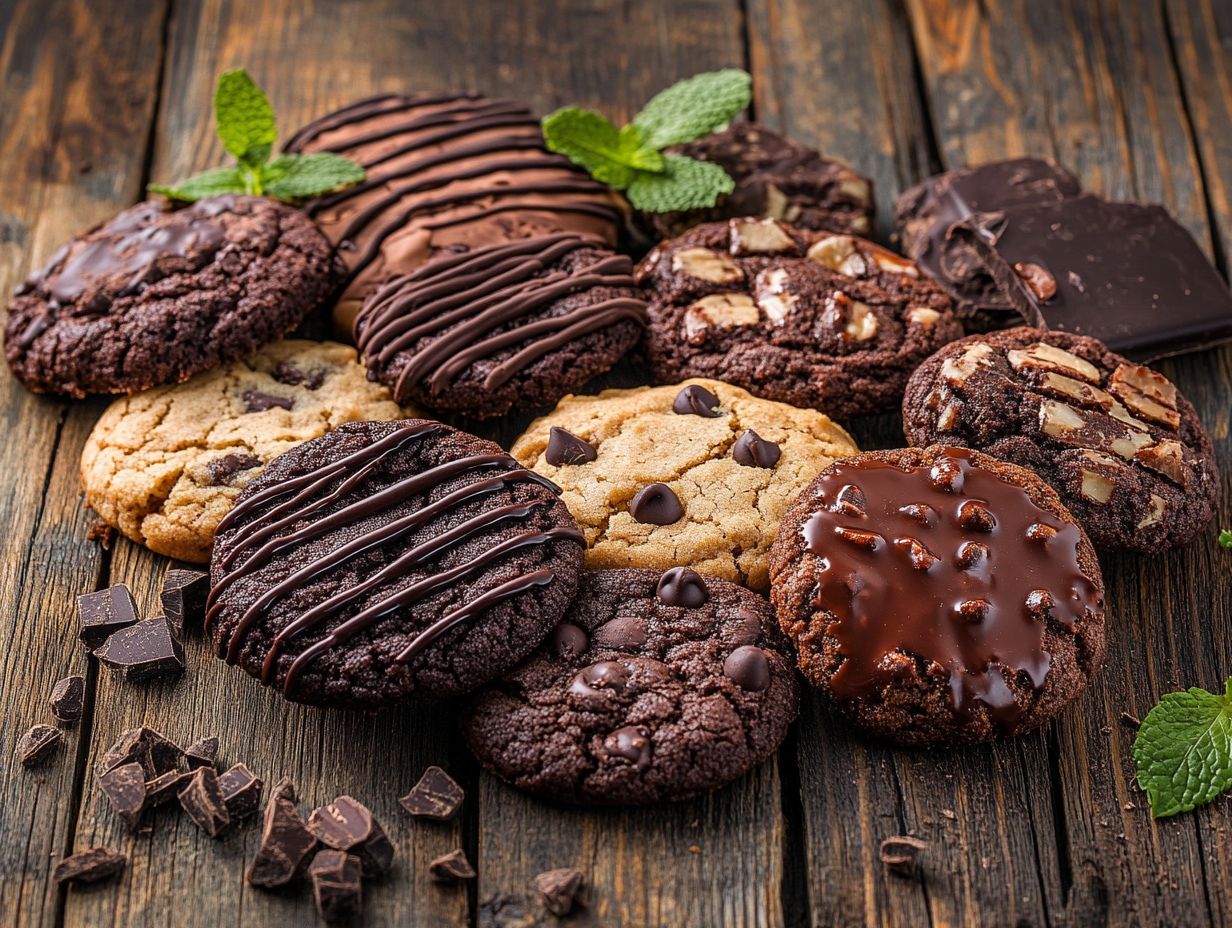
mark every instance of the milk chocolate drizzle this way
{"type": "Point", "coordinates": [329, 492]}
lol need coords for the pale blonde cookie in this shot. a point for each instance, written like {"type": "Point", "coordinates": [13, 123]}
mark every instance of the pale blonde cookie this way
{"type": "Point", "coordinates": [729, 501]}
{"type": "Point", "coordinates": [164, 466]}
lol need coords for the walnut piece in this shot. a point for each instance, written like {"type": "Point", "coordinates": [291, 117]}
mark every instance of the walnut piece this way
{"type": "Point", "coordinates": [708, 265]}
{"type": "Point", "coordinates": [1060, 385]}
{"type": "Point", "coordinates": [838, 253]}
{"type": "Point", "coordinates": [1166, 457]}
{"type": "Point", "coordinates": [773, 295]}
{"type": "Point", "coordinates": [1146, 392]}
{"type": "Point", "coordinates": [922, 316]}
{"type": "Point", "coordinates": [1156, 513]}
{"type": "Point", "coordinates": [1096, 487]}
{"type": "Point", "coordinates": [948, 418]}
{"type": "Point", "coordinates": [1044, 357]}
{"type": "Point", "coordinates": [861, 323]}
{"type": "Point", "coordinates": [759, 237]}
{"type": "Point", "coordinates": [1058, 419]}
{"type": "Point", "coordinates": [1038, 280]}
{"type": "Point", "coordinates": [955, 371]}
{"type": "Point", "coordinates": [719, 310]}
{"type": "Point", "coordinates": [857, 189]}
{"type": "Point", "coordinates": [891, 263]}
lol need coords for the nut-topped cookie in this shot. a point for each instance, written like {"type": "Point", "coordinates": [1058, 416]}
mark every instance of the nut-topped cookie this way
{"type": "Point", "coordinates": [939, 595]}
{"type": "Point", "coordinates": [696, 474]}
{"type": "Point", "coordinates": [1118, 442]}
{"type": "Point", "coordinates": [656, 686]}
{"type": "Point", "coordinates": [815, 319]}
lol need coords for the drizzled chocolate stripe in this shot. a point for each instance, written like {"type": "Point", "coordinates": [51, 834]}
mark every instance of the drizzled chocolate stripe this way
{"type": "Point", "coordinates": [366, 109]}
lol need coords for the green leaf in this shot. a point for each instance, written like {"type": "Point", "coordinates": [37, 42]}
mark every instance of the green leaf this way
{"type": "Point", "coordinates": [1225, 538]}
{"type": "Point", "coordinates": [1183, 751]}
{"type": "Point", "coordinates": [587, 139]}
{"type": "Point", "coordinates": [296, 177]}
{"type": "Point", "coordinates": [210, 183]}
{"type": "Point", "coordinates": [244, 117]}
{"type": "Point", "coordinates": [694, 107]}
{"type": "Point", "coordinates": [685, 184]}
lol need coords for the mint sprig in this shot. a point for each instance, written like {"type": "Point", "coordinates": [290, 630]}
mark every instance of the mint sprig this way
{"type": "Point", "coordinates": [631, 158]}
{"type": "Point", "coordinates": [1225, 538]}
{"type": "Point", "coordinates": [246, 125]}
{"type": "Point", "coordinates": [1183, 751]}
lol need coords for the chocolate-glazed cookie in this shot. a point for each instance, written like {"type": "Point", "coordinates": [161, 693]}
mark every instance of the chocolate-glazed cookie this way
{"type": "Point", "coordinates": [387, 559]}
{"type": "Point", "coordinates": [656, 686]}
{"type": "Point", "coordinates": [516, 324]}
{"type": "Point", "coordinates": [157, 294]}
{"type": "Point", "coordinates": [938, 595]}
{"type": "Point", "coordinates": [1122, 447]}
{"type": "Point", "coordinates": [815, 319]}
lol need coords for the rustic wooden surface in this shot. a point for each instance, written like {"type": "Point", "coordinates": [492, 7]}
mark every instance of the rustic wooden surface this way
{"type": "Point", "coordinates": [99, 98]}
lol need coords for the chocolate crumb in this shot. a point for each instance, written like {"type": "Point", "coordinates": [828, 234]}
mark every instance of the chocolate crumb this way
{"type": "Point", "coordinates": [560, 890]}
{"type": "Point", "coordinates": [900, 853]}
{"type": "Point", "coordinates": [102, 533]}
{"type": "Point", "coordinates": [1130, 721]}
{"type": "Point", "coordinates": [452, 867]}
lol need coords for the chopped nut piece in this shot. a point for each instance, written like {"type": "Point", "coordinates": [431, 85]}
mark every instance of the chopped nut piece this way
{"type": "Point", "coordinates": [759, 237]}
{"type": "Point", "coordinates": [1038, 281]}
{"type": "Point", "coordinates": [1042, 356]}
{"type": "Point", "coordinates": [1120, 413]}
{"type": "Point", "coordinates": [1146, 392]}
{"type": "Point", "coordinates": [775, 300]}
{"type": "Point", "coordinates": [1057, 419]}
{"type": "Point", "coordinates": [891, 263]}
{"type": "Point", "coordinates": [705, 264]}
{"type": "Point", "coordinates": [857, 188]}
{"type": "Point", "coordinates": [777, 204]}
{"type": "Point", "coordinates": [948, 417]}
{"type": "Point", "coordinates": [1096, 487]}
{"type": "Point", "coordinates": [923, 316]}
{"type": "Point", "coordinates": [720, 310]}
{"type": "Point", "coordinates": [955, 371]}
{"type": "Point", "coordinates": [1166, 457]}
{"type": "Point", "coordinates": [861, 324]}
{"type": "Point", "coordinates": [1096, 457]}
{"type": "Point", "coordinates": [1156, 512]}
{"type": "Point", "coordinates": [1129, 444]}
{"type": "Point", "coordinates": [838, 253]}
{"type": "Point", "coordinates": [870, 540]}
{"type": "Point", "coordinates": [1060, 385]}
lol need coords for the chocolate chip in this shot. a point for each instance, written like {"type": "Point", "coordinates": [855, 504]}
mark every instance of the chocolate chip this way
{"type": "Point", "coordinates": [624, 633]}
{"type": "Point", "coordinates": [569, 641]}
{"type": "Point", "coordinates": [748, 667]}
{"type": "Point", "coordinates": [566, 448]}
{"type": "Point", "coordinates": [451, 868]}
{"type": "Point", "coordinates": [220, 470]}
{"type": "Point", "coordinates": [139, 652]}
{"type": "Point", "coordinates": [202, 753]}
{"type": "Point", "coordinates": [337, 885]}
{"type": "Point", "coordinates": [124, 787]}
{"type": "Point", "coordinates": [560, 890]}
{"type": "Point", "coordinates": [292, 376]}
{"type": "Point", "coordinates": [256, 401]}
{"type": "Point", "coordinates": [104, 612]}
{"type": "Point", "coordinates": [656, 504]}
{"type": "Point", "coordinates": [682, 586]}
{"type": "Point", "coordinates": [346, 825]}
{"type": "Point", "coordinates": [68, 698]}
{"type": "Point", "coordinates": [155, 753]}
{"type": "Point", "coordinates": [751, 450]}
{"type": "Point", "coordinates": [202, 800]}
{"type": "Point", "coordinates": [435, 796]}
{"type": "Point", "coordinates": [286, 843]}
{"type": "Point", "coordinates": [165, 787]}
{"type": "Point", "coordinates": [696, 400]}
{"type": "Point", "coordinates": [747, 627]}
{"type": "Point", "coordinates": [89, 866]}
{"type": "Point", "coordinates": [597, 679]}
{"type": "Point", "coordinates": [632, 743]}
{"type": "Point", "coordinates": [1038, 280]}
{"type": "Point", "coordinates": [241, 791]}
{"type": "Point", "coordinates": [900, 852]}
{"type": "Point", "coordinates": [183, 597]}
{"type": "Point", "coordinates": [36, 745]}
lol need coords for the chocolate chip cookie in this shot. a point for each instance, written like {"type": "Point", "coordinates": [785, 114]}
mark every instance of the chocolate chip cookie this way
{"type": "Point", "coordinates": [819, 320]}
{"type": "Point", "coordinates": [389, 559]}
{"type": "Point", "coordinates": [1122, 447]}
{"type": "Point", "coordinates": [164, 466]}
{"type": "Point", "coordinates": [516, 324]}
{"type": "Point", "coordinates": [939, 595]}
{"type": "Point", "coordinates": [157, 294]}
{"type": "Point", "coordinates": [696, 474]}
{"type": "Point", "coordinates": [656, 686]}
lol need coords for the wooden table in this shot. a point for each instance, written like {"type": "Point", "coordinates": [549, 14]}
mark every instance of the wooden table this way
{"type": "Point", "coordinates": [102, 96]}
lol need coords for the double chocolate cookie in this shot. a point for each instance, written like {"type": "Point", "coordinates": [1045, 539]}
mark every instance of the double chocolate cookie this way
{"type": "Point", "coordinates": [814, 319]}
{"type": "Point", "coordinates": [1122, 447]}
{"type": "Point", "coordinates": [387, 559]}
{"type": "Point", "coordinates": [158, 294]}
{"type": "Point", "coordinates": [939, 595]}
{"type": "Point", "coordinates": [516, 324]}
{"type": "Point", "coordinates": [656, 686]}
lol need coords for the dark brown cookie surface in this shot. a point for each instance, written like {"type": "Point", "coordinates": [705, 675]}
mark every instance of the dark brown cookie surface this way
{"type": "Point", "coordinates": [516, 324]}
{"type": "Point", "coordinates": [938, 595]}
{"type": "Point", "coordinates": [1122, 447]}
{"type": "Point", "coordinates": [814, 319]}
{"type": "Point", "coordinates": [656, 686]}
{"type": "Point", "coordinates": [386, 559]}
{"type": "Point", "coordinates": [156, 295]}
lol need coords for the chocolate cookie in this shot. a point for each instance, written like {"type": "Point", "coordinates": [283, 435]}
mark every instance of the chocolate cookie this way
{"type": "Point", "coordinates": [830, 322]}
{"type": "Point", "coordinates": [656, 686]}
{"type": "Point", "coordinates": [776, 178]}
{"type": "Point", "coordinates": [939, 595]}
{"type": "Point", "coordinates": [516, 324]}
{"type": "Point", "coordinates": [445, 171]}
{"type": "Point", "coordinates": [1122, 447]}
{"type": "Point", "coordinates": [158, 294]}
{"type": "Point", "coordinates": [387, 559]}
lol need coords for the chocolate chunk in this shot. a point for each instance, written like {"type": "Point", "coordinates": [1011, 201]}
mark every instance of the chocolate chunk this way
{"type": "Point", "coordinates": [286, 843]}
{"type": "Point", "coordinates": [124, 787]}
{"type": "Point", "coordinates": [695, 400]}
{"type": "Point", "coordinates": [560, 890]}
{"type": "Point", "coordinates": [748, 667]}
{"type": "Point", "coordinates": [347, 825]}
{"type": "Point", "coordinates": [568, 640]}
{"type": "Point", "coordinates": [202, 800]}
{"type": "Point", "coordinates": [36, 745]}
{"type": "Point", "coordinates": [751, 450]}
{"type": "Point", "coordinates": [656, 504]}
{"type": "Point", "coordinates": [337, 885]}
{"type": "Point", "coordinates": [241, 791]}
{"type": "Point", "coordinates": [202, 753]}
{"type": "Point", "coordinates": [256, 401]}
{"type": "Point", "coordinates": [566, 448]}
{"type": "Point", "coordinates": [631, 743]}
{"type": "Point", "coordinates": [219, 471]}
{"type": "Point", "coordinates": [600, 678]}
{"type": "Point", "coordinates": [104, 612]}
{"type": "Point", "coordinates": [623, 633]}
{"type": "Point", "coordinates": [89, 866]}
{"type": "Point", "coordinates": [68, 698]}
{"type": "Point", "coordinates": [452, 867]}
{"type": "Point", "coordinates": [139, 652]}
{"type": "Point", "coordinates": [288, 373]}
{"type": "Point", "coordinates": [156, 754]}
{"type": "Point", "coordinates": [436, 795]}
{"type": "Point", "coordinates": [183, 596]}
{"type": "Point", "coordinates": [682, 586]}
{"type": "Point", "coordinates": [900, 853]}
{"type": "Point", "coordinates": [165, 787]}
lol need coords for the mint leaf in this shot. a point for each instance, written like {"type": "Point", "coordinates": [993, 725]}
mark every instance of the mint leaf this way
{"type": "Point", "coordinates": [1225, 538]}
{"type": "Point", "coordinates": [588, 139]}
{"type": "Point", "coordinates": [296, 177]}
{"type": "Point", "coordinates": [211, 183]}
{"type": "Point", "coordinates": [1183, 751]}
{"type": "Point", "coordinates": [694, 107]}
{"type": "Point", "coordinates": [244, 118]}
{"type": "Point", "coordinates": [685, 184]}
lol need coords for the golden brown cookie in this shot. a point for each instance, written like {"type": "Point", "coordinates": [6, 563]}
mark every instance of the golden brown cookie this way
{"type": "Point", "coordinates": [696, 474]}
{"type": "Point", "coordinates": [164, 466]}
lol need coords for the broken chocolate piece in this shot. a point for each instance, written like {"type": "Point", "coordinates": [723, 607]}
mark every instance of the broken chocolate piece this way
{"type": "Point", "coordinates": [202, 753]}
{"type": "Point", "coordinates": [436, 796]}
{"type": "Point", "coordinates": [139, 652]}
{"type": "Point", "coordinates": [347, 825]}
{"type": "Point", "coordinates": [124, 787]}
{"type": "Point", "coordinates": [36, 745]}
{"type": "Point", "coordinates": [452, 867]}
{"type": "Point", "coordinates": [900, 853]}
{"type": "Point", "coordinates": [241, 791]}
{"type": "Point", "coordinates": [202, 800]}
{"type": "Point", "coordinates": [165, 787]}
{"type": "Point", "coordinates": [286, 843]}
{"type": "Point", "coordinates": [155, 753]}
{"type": "Point", "coordinates": [89, 866]}
{"type": "Point", "coordinates": [560, 890]}
{"type": "Point", "coordinates": [101, 614]}
{"type": "Point", "coordinates": [68, 698]}
{"type": "Point", "coordinates": [183, 597]}
{"type": "Point", "coordinates": [337, 885]}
